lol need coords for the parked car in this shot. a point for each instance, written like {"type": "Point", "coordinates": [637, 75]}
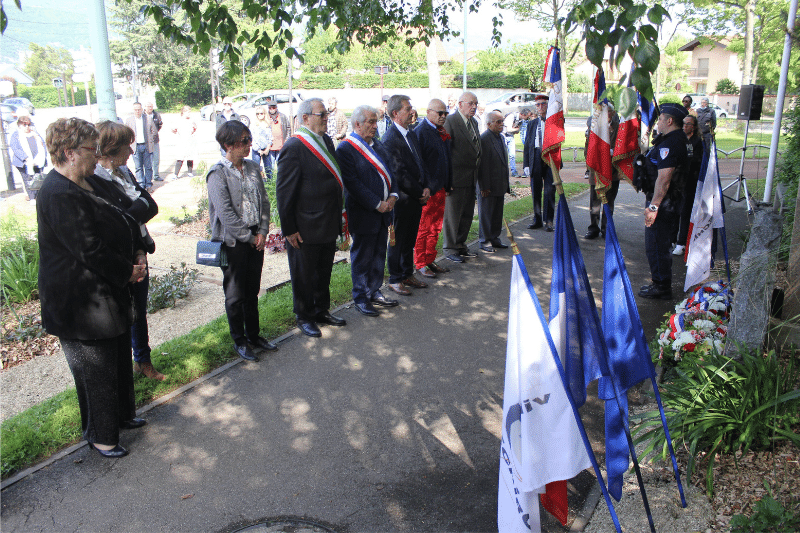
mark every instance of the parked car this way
{"type": "Point", "coordinates": [513, 102]}
{"type": "Point", "coordinates": [20, 102]}
{"type": "Point", "coordinates": [247, 110]}
{"type": "Point", "coordinates": [207, 111]}
{"type": "Point", "coordinates": [8, 112]}
{"type": "Point", "coordinates": [721, 113]}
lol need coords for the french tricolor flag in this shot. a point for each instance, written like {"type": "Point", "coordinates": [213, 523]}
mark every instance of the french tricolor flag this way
{"type": "Point", "coordinates": [554, 134]}
{"type": "Point", "coordinates": [598, 157]}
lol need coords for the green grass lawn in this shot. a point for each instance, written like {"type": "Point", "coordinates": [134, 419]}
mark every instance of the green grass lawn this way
{"type": "Point", "coordinates": [55, 423]}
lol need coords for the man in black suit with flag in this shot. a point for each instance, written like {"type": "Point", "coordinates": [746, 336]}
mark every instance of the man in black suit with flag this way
{"type": "Point", "coordinates": [539, 171]}
{"type": "Point", "coordinates": [406, 166]}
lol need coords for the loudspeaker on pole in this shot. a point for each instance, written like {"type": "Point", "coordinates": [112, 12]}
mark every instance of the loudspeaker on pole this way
{"type": "Point", "coordinates": [751, 97]}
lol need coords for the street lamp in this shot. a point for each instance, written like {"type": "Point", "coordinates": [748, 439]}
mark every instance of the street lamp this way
{"type": "Point", "coordinates": [381, 70]}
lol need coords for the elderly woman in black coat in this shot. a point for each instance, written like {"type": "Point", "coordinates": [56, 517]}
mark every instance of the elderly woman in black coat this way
{"type": "Point", "coordinates": [90, 252]}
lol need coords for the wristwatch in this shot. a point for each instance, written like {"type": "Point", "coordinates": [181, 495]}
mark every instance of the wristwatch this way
{"type": "Point", "coordinates": [652, 207]}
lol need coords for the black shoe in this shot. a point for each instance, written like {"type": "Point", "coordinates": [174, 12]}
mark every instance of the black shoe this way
{"type": "Point", "coordinates": [366, 309]}
{"type": "Point", "coordinates": [603, 233]}
{"type": "Point", "coordinates": [500, 245]}
{"type": "Point", "coordinates": [455, 258]}
{"type": "Point", "coordinates": [438, 269]}
{"type": "Point", "coordinates": [487, 248]}
{"type": "Point", "coordinates": [114, 453]}
{"type": "Point", "coordinates": [592, 234]}
{"type": "Point", "coordinates": [653, 292]}
{"type": "Point", "coordinates": [158, 178]}
{"type": "Point", "coordinates": [379, 299]}
{"type": "Point", "coordinates": [467, 253]}
{"type": "Point", "coordinates": [536, 224]}
{"type": "Point", "coordinates": [245, 352]}
{"type": "Point", "coordinates": [309, 328]}
{"type": "Point", "coordinates": [264, 344]}
{"type": "Point", "coordinates": [548, 227]}
{"type": "Point", "coordinates": [133, 423]}
{"type": "Point", "coordinates": [327, 318]}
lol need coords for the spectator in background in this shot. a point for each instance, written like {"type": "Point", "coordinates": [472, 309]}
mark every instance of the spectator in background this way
{"type": "Point", "coordinates": [525, 115]}
{"type": "Point", "coordinates": [384, 121]}
{"type": "Point", "coordinates": [145, 133]}
{"type": "Point", "coordinates": [480, 114]}
{"type": "Point", "coordinates": [414, 119]}
{"type": "Point", "coordinates": [707, 118]}
{"type": "Point", "coordinates": [187, 144]}
{"type": "Point", "coordinates": [695, 152]}
{"type": "Point", "coordinates": [687, 104]}
{"type": "Point", "coordinates": [279, 123]}
{"type": "Point", "coordinates": [227, 112]}
{"type": "Point", "coordinates": [262, 139]}
{"type": "Point", "coordinates": [28, 152]}
{"type": "Point", "coordinates": [337, 122]}
{"type": "Point", "coordinates": [154, 115]}
{"type": "Point", "coordinates": [511, 124]}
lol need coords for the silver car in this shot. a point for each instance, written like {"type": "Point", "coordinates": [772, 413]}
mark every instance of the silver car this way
{"type": "Point", "coordinates": [247, 111]}
{"type": "Point", "coordinates": [513, 102]}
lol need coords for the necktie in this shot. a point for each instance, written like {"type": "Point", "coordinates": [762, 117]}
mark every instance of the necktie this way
{"type": "Point", "coordinates": [539, 131]}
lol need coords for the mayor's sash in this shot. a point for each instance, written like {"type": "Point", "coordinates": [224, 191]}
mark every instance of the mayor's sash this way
{"type": "Point", "coordinates": [370, 155]}
{"type": "Point", "coordinates": [321, 152]}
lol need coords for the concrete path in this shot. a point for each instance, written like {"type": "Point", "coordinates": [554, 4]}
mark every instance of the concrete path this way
{"type": "Point", "coordinates": [388, 424]}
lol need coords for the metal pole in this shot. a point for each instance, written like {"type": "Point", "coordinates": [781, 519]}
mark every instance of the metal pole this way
{"type": "Point", "coordinates": [103, 81]}
{"type": "Point", "coordinates": [6, 159]}
{"type": "Point", "coordinates": [776, 125]}
{"type": "Point", "coordinates": [464, 80]}
{"type": "Point", "coordinates": [88, 98]}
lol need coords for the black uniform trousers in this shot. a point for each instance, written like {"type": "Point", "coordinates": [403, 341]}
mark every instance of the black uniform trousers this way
{"type": "Point", "coordinates": [657, 240]}
{"type": "Point", "coordinates": [407, 214]}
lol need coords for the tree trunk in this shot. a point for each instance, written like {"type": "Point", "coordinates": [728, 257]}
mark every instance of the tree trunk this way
{"type": "Point", "coordinates": [749, 15]}
{"type": "Point", "coordinates": [434, 77]}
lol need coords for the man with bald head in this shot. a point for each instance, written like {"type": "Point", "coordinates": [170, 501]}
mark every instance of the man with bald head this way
{"type": "Point", "coordinates": [465, 150]}
{"type": "Point", "coordinates": [434, 144]}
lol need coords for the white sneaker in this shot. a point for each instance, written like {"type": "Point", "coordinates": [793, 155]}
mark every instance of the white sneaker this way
{"type": "Point", "coordinates": [190, 175]}
{"type": "Point", "coordinates": [679, 249]}
{"type": "Point", "coordinates": [171, 177]}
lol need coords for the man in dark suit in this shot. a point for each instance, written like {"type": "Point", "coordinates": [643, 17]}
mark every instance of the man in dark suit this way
{"type": "Point", "coordinates": [435, 144]}
{"type": "Point", "coordinates": [466, 157]}
{"type": "Point", "coordinates": [539, 172]}
{"type": "Point", "coordinates": [405, 164]}
{"type": "Point", "coordinates": [371, 195]}
{"type": "Point", "coordinates": [309, 195]}
{"type": "Point", "coordinates": [493, 183]}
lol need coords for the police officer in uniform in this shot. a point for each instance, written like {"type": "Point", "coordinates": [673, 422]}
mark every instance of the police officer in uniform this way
{"type": "Point", "coordinates": [665, 163]}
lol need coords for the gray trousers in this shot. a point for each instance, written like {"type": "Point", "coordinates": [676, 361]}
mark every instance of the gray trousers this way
{"type": "Point", "coordinates": [459, 208]}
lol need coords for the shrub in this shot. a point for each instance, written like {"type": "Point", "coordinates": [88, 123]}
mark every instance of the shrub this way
{"type": "Point", "coordinates": [720, 405]}
{"type": "Point", "coordinates": [768, 516]}
{"type": "Point", "coordinates": [726, 86]}
{"type": "Point", "coordinates": [166, 290]}
{"type": "Point", "coordinates": [19, 261]}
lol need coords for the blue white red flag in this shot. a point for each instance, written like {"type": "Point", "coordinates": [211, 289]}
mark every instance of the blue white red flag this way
{"type": "Point", "coordinates": [598, 156]}
{"type": "Point", "coordinates": [541, 441]}
{"type": "Point", "coordinates": [554, 134]}
{"type": "Point", "coordinates": [627, 146]}
{"type": "Point", "coordinates": [628, 355]}
{"type": "Point", "coordinates": [649, 111]}
{"type": "Point", "coordinates": [707, 214]}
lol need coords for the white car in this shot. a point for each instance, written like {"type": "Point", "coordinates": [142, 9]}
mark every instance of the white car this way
{"type": "Point", "coordinates": [513, 102]}
{"type": "Point", "coordinates": [721, 113]}
{"type": "Point", "coordinates": [247, 110]}
{"type": "Point", "coordinates": [207, 112]}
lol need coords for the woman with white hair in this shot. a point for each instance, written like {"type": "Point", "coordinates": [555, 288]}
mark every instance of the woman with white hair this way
{"type": "Point", "coordinates": [28, 151]}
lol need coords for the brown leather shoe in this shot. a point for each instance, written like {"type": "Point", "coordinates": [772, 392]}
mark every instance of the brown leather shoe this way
{"type": "Point", "coordinates": [427, 272]}
{"type": "Point", "coordinates": [399, 288]}
{"type": "Point", "coordinates": [438, 269]}
{"type": "Point", "coordinates": [148, 370]}
{"type": "Point", "coordinates": [414, 282]}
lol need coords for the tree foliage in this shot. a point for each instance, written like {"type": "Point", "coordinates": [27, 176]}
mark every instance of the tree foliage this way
{"type": "Point", "coordinates": [624, 27]}
{"type": "Point", "coordinates": [726, 86]}
{"type": "Point", "coordinates": [321, 55]}
{"type": "Point", "coordinates": [48, 62]}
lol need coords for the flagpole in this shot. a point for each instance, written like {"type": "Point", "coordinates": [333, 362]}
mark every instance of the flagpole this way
{"type": "Point", "coordinates": [575, 413]}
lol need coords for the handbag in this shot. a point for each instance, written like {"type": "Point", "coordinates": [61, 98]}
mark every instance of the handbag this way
{"type": "Point", "coordinates": [211, 253]}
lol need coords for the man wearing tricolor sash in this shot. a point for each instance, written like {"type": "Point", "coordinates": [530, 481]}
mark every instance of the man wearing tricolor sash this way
{"type": "Point", "coordinates": [371, 195]}
{"type": "Point", "coordinates": [309, 194]}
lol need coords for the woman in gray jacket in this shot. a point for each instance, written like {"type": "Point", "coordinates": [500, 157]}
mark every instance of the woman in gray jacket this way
{"type": "Point", "coordinates": [239, 212]}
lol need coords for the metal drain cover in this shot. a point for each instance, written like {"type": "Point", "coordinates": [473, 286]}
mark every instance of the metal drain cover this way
{"type": "Point", "coordinates": [286, 525]}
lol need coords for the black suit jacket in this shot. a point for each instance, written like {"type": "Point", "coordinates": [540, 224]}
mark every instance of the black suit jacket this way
{"type": "Point", "coordinates": [532, 157]}
{"type": "Point", "coordinates": [466, 157]}
{"type": "Point", "coordinates": [493, 172]}
{"type": "Point", "coordinates": [309, 196]}
{"type": "Point", "coordinates": [409, 172]}
{"type": "Point", "coordinates": [365, 188]}
{"type": "Point", "coordinates": [435, 156]}
{"type": "Point", "coordinates": [86, 253]}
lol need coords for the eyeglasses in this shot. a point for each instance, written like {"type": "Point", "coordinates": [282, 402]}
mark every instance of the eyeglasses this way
{"type": "Point", "coordinates": [323, 114]}
{"type": "Point", "coordinates": [24, 123]}
{"type": "Point", "coordinates": [440, 113]}
{"type": "Point", "coordinates": [92, 149]}
{"type": "Point", "coordinates": [273, 106]}
{"type": "Point", "coordinates": [541, 103]}
{"type": "Point", "coordinates": [259, 114]}
{"type": "Point", "coordinates": [245, 140]}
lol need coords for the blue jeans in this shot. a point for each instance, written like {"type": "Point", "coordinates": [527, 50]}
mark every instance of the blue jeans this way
{"type": "Point", "coordinates": [272, 161]}
{"type": "Point", "coordinates": [156, 159]}
{"type": "Point", "coordinates": [512, 154]}
{"type": "Point", "coordinates": [142, 160]}
{"type": "Point", "coordinates": [140, 340]}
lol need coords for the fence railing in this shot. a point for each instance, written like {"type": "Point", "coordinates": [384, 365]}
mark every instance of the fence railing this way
{"type": "Point", "coordinates": [755, 147]}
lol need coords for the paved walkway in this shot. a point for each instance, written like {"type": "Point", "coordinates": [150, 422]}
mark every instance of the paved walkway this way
{"type": "Point", "coordinates": [388, 424]}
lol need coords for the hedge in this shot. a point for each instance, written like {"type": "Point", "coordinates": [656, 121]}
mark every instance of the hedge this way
{"type": "Point", "coordinates": [46, 96]}
{"type": "Point", "coordinates": [269, 80]}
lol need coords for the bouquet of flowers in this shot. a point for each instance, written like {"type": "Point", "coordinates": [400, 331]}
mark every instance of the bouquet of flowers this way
{"type": "Point", "coordinates": [698, 326]}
